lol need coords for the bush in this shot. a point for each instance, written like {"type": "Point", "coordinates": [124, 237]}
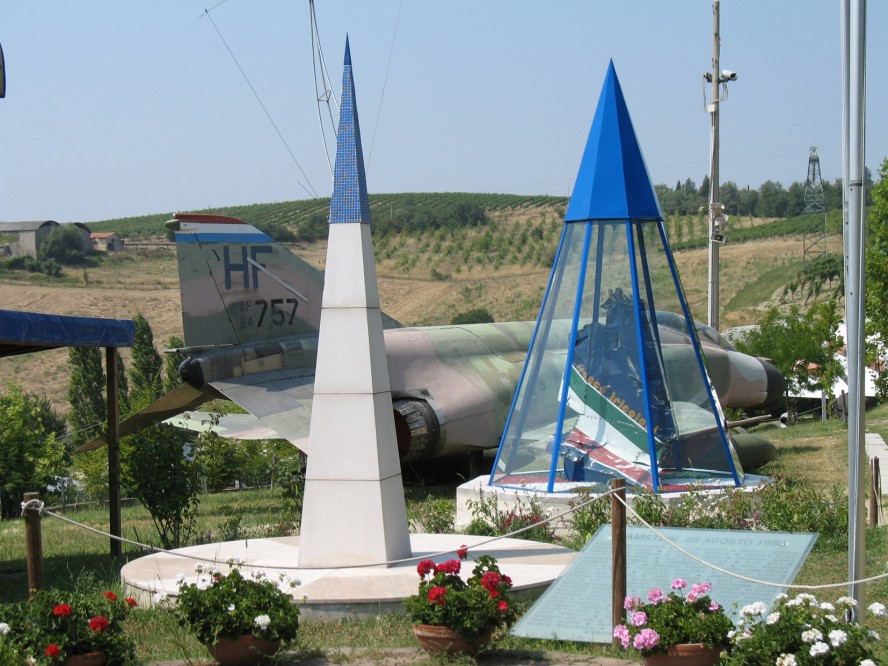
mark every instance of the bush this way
{"type": "Point", "coordinates": [475, 316]}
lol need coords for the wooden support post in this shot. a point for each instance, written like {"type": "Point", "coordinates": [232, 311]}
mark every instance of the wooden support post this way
{"type": "Point", "coordinates": [114, 522]}
{"type": "Point", "coordinates": [618, 553]}
{"type": "Point", "coordinates": [34, 546]}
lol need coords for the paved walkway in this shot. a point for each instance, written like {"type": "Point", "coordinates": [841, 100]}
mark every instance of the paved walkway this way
{"type": "Point", "coordinates": [416, 657]}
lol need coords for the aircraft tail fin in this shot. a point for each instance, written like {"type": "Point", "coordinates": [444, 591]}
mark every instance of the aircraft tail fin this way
{"type": "Point", "coordinates": [240, 286]}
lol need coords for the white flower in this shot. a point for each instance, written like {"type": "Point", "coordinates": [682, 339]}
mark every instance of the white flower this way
{"type": "Point", "coordinates": [877, 609]}
{"type": "Point", "coordinates": [811, 635]}
{"type": "Point", "coordinates": [772, 618]}
{"type": "Point", "coordinates": [837, 637]}
{"type": "Point", "coordinates": [818, 648]}
{"type": "Point", "coordinates": [258, 575]}
{"type": "Point", "coordinates": [867, 662]}
{"type": "Point", "coordinates": [850, 602]}
{"type": "Point", "coordinates": [831, 618]}
{"type": "Point", "coordinates": [827, 606]}
{"type": "Point", "coordinates": [159, 596]}
{"type": "Point", "coordinates": [199, 567]}
{"type": "Point", "coordinates": [785, 660]}
{"type": "Point", "coordinates": [293, 581]}
{"type": "Point", "coordinates": [204, 583]}
{"type": "Point", "coordinates": [758, 608]}
{"type": "Point", "coordinates": [262, 621]}
{"type": "Point", "coordinates": [804, 597]}
{"type": "Point", "coordinates": [32, 661]}
{"type": "Point", "coordinates": [4, 628]}
{"type": "Point", "coordinates": [781, 596]}
{"type": "Point", "coordinates": [180, 579]}
{"type": "Point", "coordinates": [872, 633]}
{"type": "Point", "coordinates": [230, 608]}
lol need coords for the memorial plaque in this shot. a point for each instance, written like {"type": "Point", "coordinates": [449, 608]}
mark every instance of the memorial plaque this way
{"type": "Point", "coordinates": [577, 605]}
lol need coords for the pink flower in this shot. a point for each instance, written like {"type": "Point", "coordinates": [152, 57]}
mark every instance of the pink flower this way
{"type": "Point", "coordinates": [679, 584]}
{"type": "Point", "coordinates": [692, 597]}
{"type": "Point", "coordinates": [639, 619]}
{"type": "Point", "coordinates": [713, 607]}
{"type": "Point", "coordinates": [646, 639]}
{"type": "Point", "coordinates": [630, 603]}
{"type": "Point", "coordinates": [700, 589]}
{"type": "Point", "coordinates": [655, 596]}
{"type": "Point", "coordinates": [621, 632]}
{"type": "Point", "coordinates": [437, 594]}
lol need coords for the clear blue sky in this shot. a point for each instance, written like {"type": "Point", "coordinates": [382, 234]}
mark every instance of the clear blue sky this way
{"type": "Point", "coordinates": [129, 108]}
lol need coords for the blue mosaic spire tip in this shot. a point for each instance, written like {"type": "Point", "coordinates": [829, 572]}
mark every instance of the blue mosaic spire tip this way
{"type": "Point", "coordinates": [350, 202]}
{"type": "Point", "coordinates": [613, 181]}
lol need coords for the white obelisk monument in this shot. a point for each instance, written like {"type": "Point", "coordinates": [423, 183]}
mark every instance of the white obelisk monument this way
{"type": "Point", "coordinates": [353, 509]}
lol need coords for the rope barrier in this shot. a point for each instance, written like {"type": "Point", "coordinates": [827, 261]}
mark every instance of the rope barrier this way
{"type": "Point", "coordinates": [38, 506]}
{"type": "Point", "coordinates": [44, 511]}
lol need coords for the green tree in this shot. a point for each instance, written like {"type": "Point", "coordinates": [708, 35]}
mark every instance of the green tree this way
{"type": "Point", "coordinates": [171, 363]}
{"type": "Point", "coordinates": [64, 244]}
{"type": "Point", "coordinates": [31, 454]}
{"type": "Point", "coordinates": [801, 345]}
{"type": "Point", "coordinates": [156, 471]}
{"type": "Point", "coordinates": [146, 371]}
{"type": "Point", "coordinates": [876, 291]}
{"type": "Point", "coordinates": [86, 394]}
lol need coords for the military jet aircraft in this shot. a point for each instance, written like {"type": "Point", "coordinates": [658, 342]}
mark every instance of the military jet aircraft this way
{"type": "Point", "coordinates": [251, 313]}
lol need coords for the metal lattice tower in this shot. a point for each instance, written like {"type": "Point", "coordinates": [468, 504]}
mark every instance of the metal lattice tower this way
{"type": "Point", "coordinates": [814, 214]}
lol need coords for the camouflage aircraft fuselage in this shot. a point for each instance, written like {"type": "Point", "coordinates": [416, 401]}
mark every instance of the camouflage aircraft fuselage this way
{"type": "Point", "coordinates": [251, 313]}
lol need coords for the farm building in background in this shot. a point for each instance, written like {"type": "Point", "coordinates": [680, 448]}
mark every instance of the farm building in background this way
{"type": "Point", "coordinates": [18, 239]}
{"type": "Point", "coordinates": [106, 241]}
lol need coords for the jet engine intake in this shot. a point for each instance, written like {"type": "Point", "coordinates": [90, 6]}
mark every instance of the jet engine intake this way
{"type": "Point", "coordinates": [417, 428]}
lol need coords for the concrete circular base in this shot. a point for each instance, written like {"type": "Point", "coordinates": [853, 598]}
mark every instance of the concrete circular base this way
{"type": "Point", "coordinates": [327, 594]}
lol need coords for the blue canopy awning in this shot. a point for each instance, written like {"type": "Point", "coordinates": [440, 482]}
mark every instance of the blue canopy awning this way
{"type": "Point", "coordinates": [25, 332]}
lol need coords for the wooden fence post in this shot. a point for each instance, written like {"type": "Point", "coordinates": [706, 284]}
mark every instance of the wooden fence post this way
{"type": "Point", "coordinates": [34, 545]}
{"type": "Point", "coordinates": [618, 553]}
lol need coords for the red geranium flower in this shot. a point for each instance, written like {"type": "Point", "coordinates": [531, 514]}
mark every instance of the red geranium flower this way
{"type": "Point", "coordinates": [448, 567]}
{"type": "Point", "coordinates": [463, 552]}
{"type": "Point", "coordinates": [110, 595]}
{"type": "Point", "coordinates": [490, 581]}
{"type": "Point", "coordinates": [131, 602]}
{"type": "Point", "coordinates": [62, 610]}
{"type": "Point", "coordinates": [52, 651]}
{"type": "Point", "coordinates": [98, 623]}
{"type": "Point", "coordinates": [425, 567]}
{"type": "Point", "coordinates": [437, 594]}
{"type": "Point", "coordinates": [502, 605]}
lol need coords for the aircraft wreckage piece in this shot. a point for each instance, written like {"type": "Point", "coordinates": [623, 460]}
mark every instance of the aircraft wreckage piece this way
{"type": "Point", "coordinates": [628, 401]}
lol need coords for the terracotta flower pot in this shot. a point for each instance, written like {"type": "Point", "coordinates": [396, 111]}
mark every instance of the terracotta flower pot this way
{"type": "Point", "coordinates": [242, 651]}
{"type": "Point", "coordinates": [87, 659]}
{"type": "Point", "coordinates": [685, 654]}
{"type": "Point", "coordinates": [434, 639]}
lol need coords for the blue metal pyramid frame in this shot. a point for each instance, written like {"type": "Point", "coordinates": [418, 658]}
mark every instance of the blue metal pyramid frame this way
{"type": "Point", "coordinates": [613, 186]}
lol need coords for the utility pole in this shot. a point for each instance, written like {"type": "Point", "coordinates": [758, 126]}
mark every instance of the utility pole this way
{"type": "Point", "coordinates": [717, 217]}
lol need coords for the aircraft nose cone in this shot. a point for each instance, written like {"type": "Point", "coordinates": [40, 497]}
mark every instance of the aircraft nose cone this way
{"type": "Point", "coordinates": [776, 383]}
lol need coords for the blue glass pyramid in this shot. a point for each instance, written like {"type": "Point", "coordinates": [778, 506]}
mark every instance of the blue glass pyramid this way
{"type": "Point", "coordinates": [612, 387]}
{"type": "Point", "coordinates": [349, 202]}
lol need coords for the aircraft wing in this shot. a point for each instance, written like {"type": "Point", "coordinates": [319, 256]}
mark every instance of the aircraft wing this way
{"type": "Point", "coordinates": [280, 399]}
{"type": "Point", "coordinates": [230, 426]}
{"type": "Point", "coordinates": [175, 402]}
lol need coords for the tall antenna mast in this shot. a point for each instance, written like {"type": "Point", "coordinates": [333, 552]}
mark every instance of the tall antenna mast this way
{"type": "Point", "coordinates": [814, 214]}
